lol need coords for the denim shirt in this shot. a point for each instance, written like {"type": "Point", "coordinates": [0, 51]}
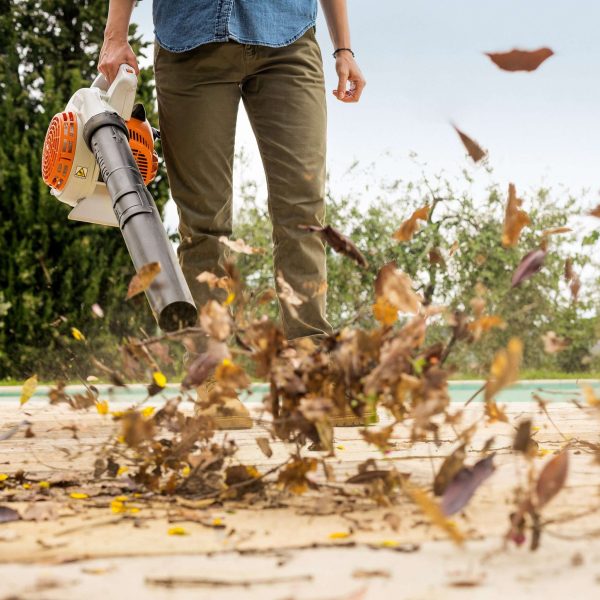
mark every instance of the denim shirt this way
{"type": "Point", "coordinates": [181, 25]}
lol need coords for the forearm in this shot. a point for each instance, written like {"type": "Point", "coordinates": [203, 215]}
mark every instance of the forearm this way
{"type": "Point", "coordinates": [117, 22]}
{"type": "Point", "coordinates": [336, 16]}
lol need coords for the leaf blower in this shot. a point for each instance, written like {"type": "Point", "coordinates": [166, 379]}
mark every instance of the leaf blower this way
{"type": "Point", "coordinates": [98, 158]}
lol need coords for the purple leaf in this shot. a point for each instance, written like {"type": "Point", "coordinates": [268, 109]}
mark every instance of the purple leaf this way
{"type": "Point", "coordinates": [465, 483]}
{"type": "Point", "coordinates": [530, 264]}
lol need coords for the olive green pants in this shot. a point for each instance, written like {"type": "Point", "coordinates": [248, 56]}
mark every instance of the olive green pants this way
{"type": "Point", "coordinates": [284, 95]}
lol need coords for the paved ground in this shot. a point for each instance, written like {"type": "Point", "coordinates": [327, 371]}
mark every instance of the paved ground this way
{"type": "Point", "coordinates": [312, 547]}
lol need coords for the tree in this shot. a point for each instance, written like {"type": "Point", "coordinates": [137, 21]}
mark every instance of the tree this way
{"type": "Point", "coordinates": [52, 270]}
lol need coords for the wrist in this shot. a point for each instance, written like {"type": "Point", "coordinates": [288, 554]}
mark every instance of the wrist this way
{"type": "Point", "coordinates": [343, 51]}
{"type": "Point", "coordinates": [115, 35]}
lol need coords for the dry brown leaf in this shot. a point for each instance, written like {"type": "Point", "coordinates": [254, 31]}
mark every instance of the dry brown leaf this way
{"type": "Point", "coordinates": [515, 218]}
{"type": "Point", "coordinates": [595, 212]}
{"type": "Point", "coordinates": [409, 227]}
{"type": "Point", "coordinates": [556, 231]}
{"type": "Point", "coordinates": [213, 281]}
{"type": "Point", "coordinates": [215, 320]}
{"type": "Point", "coordinates": [476, 152]}
{"type": "Point", "coordinates": [554, 343]}
{"type": "Point", "coordinates": [505, 368]}
{"type": "Point", "coordinates": [396, 288]}
{"type": "Point", "coordinates": [339, 242]}
{"type": "Point", "coordinates": [288, 295]}
{"type": "Point", "coordinates": [575, 286]}
{"type": "Point", "coordinates": [450, 467]}
{"type": "Point", "coordinates": [240, 246]}
{"type": "Point", "coordinates": [552, 478]}
{"type": "Point", "coordinates": [520, 60]}
{"type": "Point", "coordinates": [142, 280]}
{"type": "Point", "coordinates": [265, 447]}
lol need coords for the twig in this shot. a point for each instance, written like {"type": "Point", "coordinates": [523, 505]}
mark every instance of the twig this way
{"type": "Point", "coordinates": [171, 582]}
{"type": "Point", "coordinates": [474, 395]}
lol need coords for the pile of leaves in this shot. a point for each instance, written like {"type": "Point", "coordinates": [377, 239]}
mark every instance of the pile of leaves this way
{"type": "Point", "coordinates": [355, 372]}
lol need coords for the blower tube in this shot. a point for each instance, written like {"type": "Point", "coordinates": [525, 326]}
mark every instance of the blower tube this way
{"type": "Point", "coordinates": [169, 295]}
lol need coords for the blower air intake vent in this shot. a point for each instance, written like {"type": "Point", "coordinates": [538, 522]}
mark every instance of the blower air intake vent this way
{"type": "Point", "coordinates": [59, 150]}
{"type": "Point", "coordinates": [141, 142]}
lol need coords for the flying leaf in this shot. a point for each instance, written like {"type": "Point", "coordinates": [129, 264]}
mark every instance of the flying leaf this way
{"type": "Point", "coordinates": [450, 467]}
{"type": "Point", "coordinates": [213, 281]}
{"type": "Point", "coordinates": [556, 231]}
{"type": "Point", "coordinates": [475, 151]}
{"type": "Point", "coordinates": [97, 311]}
{"type": "Point", "coordinates": [505, 368]}
{"type": "Point", "coordinates": [265, 447]}
{"type": "Point", "coordinates": [552, 478]}
{"type": "Point", "coordinates": [142, 280]}
{"type": "Point", "coordinates": [8, 515]}
{"type": "Point", "coordinates": [515, 218]}
{"type": "Point", "coordinates": [201, 367]}
{"type": "Point", "coordinates": [595, 212]}
{"type": "Point", "coordinates": [411, 225]}
{"type": "Point", "coordinates": [28, 389]}
{"type": "Point", "coordinates": [396, 287]}
{"type": "Point", "coordinates": [520, 60]}
{"type": "Point", "coordinates": [288, 296]}
{"type": "Point", "coordinates": [159, 379]}
{"type": "Point", "coordinates": [530, 264]}
{"type": "Point", "coordinates": [339, 242]}
{"type": "Point", "coordinates": [554, 343]}
{"type": "Point", "coordinates": [77, 334]}
{"type": "Point", "coordinates": [240, 246]}
{"type": "Point", "coordinates": [215, 320]}
{"type": "Point", "coordinates": [431, 509]}
{"type": "Point", "coordinates": [385, 312]}
{"type": "Point", "coordinates": [465, 483]}
{"type": "Point", "coordinates": [575, 286]}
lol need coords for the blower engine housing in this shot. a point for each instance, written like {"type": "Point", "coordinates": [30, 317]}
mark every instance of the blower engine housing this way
{"type": "Point", "coordinates": [68, 166]}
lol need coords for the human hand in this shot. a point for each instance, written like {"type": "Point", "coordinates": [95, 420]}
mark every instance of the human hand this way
{"type": "Point", "coordinates": [348, 71]}
{"type": "Point", "coordinates": [116, 52]}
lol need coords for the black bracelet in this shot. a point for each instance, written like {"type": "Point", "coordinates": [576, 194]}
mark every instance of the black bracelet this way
{"type": "Point", "coordinates": [340, 49]}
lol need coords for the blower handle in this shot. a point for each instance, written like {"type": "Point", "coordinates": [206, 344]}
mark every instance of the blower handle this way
{"type": "Point", "coordinates": [121, 92]}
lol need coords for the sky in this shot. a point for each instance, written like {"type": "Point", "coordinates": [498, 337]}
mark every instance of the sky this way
{"type": "Point", "coordinates": [425, 68]}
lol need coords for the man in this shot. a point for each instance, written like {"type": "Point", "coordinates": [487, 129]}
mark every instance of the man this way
{"type": "Point", "coordinates": [209, 54]}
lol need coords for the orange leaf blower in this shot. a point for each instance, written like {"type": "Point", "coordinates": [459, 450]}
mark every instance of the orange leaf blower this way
{"type": "Point", "coordinates": [98, 158]}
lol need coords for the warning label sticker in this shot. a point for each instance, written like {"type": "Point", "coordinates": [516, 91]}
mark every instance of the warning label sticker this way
{"type": "Point", "coordinates": [81, 172]}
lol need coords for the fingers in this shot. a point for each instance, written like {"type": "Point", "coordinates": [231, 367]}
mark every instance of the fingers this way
{"type": "Point", "coordinates": [342, 85]}
{"type": "Point", "coordinates": [113, 56]}
{"type": "Point", "coordinates": [354, 93]}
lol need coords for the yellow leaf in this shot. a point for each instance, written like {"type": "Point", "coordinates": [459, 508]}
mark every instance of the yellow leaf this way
{"type": "Point", "coordinates": [122, 498]}
{"type": "Point", "coordinates": [77, 334]}
{"type": "Point", "coordinates": [122, 469]}
{"type": "Point", "coordinates": [133, 510]}
{"type": "Point", "coordinates": [515, 219]}
{"type": "Point", "coordinates": [3, 476]}
{"type": "Point", "coordinates": [505, 368]}
{"type": "Point", "coordinates": [26, 486]}
{"type": "Point", "coordinates": [385, 312]}
{"type": "Point", "coordinates": [177, 531]}
{"type": "Point", "coordinates": [388, 543]}
{"type": "Point", "coordinates": [78, 495]}
{"type": "Point", "coordinates": [44, 484]}
{"type": "Point", "coordinates": [217, 522]}
{"type": "Point", "coordinates": [340, 447]}
{"type": "Point", "coordinates": [185, 471]}
{"type": "Point", "coordinates": [28, 389]}
{"type": "Point", "coordinates": [431, 509]}
{"type": "Point", "coordinates": [102, 407]}
{"type": "Point", "coordinates": [230, 299]}
{"type": "Point", "coordinates": [117, 507]}
{"type": "Point", "coordinates": [159, 379]}
{"type": "Point", "coordinates": [147, 412]}
{"type": "Point", "coordinates": [339, 535]}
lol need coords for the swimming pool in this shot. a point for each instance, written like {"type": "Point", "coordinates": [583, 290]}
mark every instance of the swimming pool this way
{"type": "Point", "coordinates": [460, 392]}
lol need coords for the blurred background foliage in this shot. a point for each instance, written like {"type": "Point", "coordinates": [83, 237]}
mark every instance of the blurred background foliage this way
{"type": "Point", "coordinates": [53, 270]}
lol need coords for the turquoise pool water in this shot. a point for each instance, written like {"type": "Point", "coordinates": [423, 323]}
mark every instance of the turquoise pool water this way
{"type": "Point", "coordinates": [460, 392]}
